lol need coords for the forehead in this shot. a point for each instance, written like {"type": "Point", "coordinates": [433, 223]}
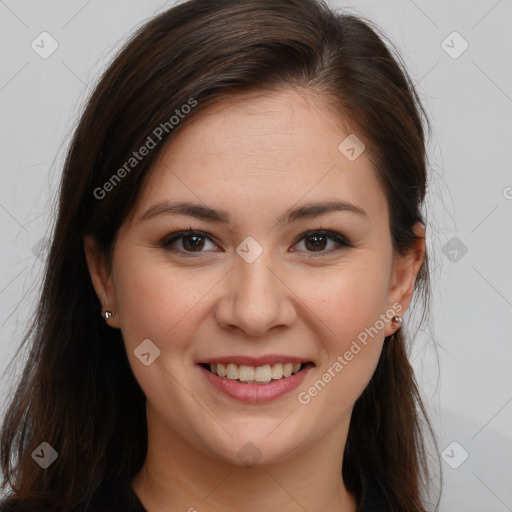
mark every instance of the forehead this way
{"type": "Point", "coordinates": [263, 151]}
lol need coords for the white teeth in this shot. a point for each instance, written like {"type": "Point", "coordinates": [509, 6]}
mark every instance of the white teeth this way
{"type": "Point", "coordinates": [262, 374]}
{"type": "Point", "coordinates": [277, 371]}
{"type": "Point", "coordinates": [231, 372]}
{"type": "Point", "coordinates": [245, 373]}
{"type": "Point", "coordinates": [221, 370]}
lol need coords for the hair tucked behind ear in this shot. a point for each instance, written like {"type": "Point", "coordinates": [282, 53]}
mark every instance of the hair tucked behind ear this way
{"type": "Point", "coordinates": [77, 391]}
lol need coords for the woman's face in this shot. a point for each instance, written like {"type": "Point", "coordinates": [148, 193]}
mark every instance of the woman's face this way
{"type": "Point", "coordinates": [258, 283]}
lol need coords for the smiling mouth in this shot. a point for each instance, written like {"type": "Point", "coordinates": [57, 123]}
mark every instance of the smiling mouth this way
{"type": "Point", "coordinates": [256, 375]}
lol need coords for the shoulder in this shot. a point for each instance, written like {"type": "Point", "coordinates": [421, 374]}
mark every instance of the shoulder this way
{"type": "Point", "coordinates": [30, 506]}
{"type": "Point", "coordinates": [373, 498]}
{"type": "Point", "coordinates": [114, 494]}
{"type": "Point", "coordinates": [19, 506]}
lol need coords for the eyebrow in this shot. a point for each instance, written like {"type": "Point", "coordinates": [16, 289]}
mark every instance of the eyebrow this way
{"type": "Point", "coordinates": [202, 212]}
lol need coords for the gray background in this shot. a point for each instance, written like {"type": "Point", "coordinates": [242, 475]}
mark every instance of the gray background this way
{"type": "Point", "coordinates": [463, 363]}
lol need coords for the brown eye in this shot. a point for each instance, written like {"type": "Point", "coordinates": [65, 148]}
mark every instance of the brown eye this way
{"type": "Point", "coordinates": [318, 241]}
{"type": "Point", "coordinates": [191, 242]}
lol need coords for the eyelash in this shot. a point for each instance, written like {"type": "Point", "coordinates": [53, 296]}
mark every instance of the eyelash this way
{"type": "Point", "coordinates": [332, 235]}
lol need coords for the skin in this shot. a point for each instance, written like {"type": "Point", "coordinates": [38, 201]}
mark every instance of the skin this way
{"type": "Point", "coordinates": [255, 157]}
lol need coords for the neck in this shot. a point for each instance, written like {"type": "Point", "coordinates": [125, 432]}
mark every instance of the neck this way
{"type": "Point", "coordinates": [179, 476]}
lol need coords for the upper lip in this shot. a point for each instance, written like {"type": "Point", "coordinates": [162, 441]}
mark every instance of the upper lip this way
{"type": "Point", "coordinates": [255, 361]}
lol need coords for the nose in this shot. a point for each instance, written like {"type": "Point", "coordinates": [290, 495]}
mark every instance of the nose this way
{"type": "Point", "coordinates": [256, 299]}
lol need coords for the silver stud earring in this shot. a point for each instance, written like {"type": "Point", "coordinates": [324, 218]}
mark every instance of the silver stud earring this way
{"type": "Point", "coordinates": [107, 315]}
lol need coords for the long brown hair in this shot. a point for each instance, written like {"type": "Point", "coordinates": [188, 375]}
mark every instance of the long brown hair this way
{"type": "Point", "coordinates": [77, 391]}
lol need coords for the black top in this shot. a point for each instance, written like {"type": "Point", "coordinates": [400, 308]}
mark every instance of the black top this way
{"type": "Point", "coordinates": [119, 496]}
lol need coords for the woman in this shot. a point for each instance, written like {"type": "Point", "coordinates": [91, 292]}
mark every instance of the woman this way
{"type": "Point", "coordinates": [239, 235]}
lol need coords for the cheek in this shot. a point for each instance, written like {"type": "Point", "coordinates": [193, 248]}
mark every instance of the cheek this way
{"type": "Point", "coordinates": [349, 303]}
{"type": "Point", "coordinates": [157, 301]}
{"type": "Point", "coordinates": [347, 299]}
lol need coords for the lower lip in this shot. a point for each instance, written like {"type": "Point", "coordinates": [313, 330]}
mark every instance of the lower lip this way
{"type": "Point", "coordinates": [255, 393]}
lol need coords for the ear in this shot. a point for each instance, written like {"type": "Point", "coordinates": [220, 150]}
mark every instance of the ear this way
{"type": "Point", "coordinates": [101, 278]}
{"type": "Point", "coordinates": [404, 273]}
